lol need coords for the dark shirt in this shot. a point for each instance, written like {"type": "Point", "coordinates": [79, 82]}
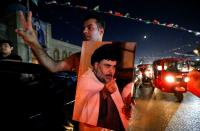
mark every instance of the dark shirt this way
{"type": "Point", "coordinates": [11, 57]}
{"type": "Point", "coordinates": [108, 114]}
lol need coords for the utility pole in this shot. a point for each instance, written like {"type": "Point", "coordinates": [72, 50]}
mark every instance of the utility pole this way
{"type": "Point", "coordinates": [29, 49]}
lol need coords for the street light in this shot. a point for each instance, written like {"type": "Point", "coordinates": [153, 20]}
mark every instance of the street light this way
{"type": "Point", "coordinates": [197, 51]}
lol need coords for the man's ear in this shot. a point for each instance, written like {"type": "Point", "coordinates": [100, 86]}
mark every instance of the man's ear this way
{"type": "Point", "coordinates": [11, 48]}
{"type": "Point", "coordinates": [101, 30]}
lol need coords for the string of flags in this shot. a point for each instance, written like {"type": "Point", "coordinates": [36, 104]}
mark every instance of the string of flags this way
{"type": "Point", "coordinates": [127, 16]}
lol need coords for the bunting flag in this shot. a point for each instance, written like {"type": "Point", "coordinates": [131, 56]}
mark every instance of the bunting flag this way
{"type": "Point", "coordinates": [126, 16]}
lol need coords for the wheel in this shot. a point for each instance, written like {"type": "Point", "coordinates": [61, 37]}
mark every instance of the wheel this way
{"type": "Point", "coordinates": [179, 96]}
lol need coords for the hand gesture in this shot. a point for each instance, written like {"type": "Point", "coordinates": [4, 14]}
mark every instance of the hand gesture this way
{"type": "Point", "coordinates": [26, 31]}
{"type": "Point", "coordinates": [110, 86]}
{"type": "Point", "coordinates": [127, 106]}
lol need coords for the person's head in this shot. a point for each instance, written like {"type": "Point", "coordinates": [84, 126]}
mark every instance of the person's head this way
{"type": "Point", "coordinates": [105, 60]}
{"type": "Point", "coordinates": [93, 28]}
{"type": "Point", "coordinates": [6, 47]}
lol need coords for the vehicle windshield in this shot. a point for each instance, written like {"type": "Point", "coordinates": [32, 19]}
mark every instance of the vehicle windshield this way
{"type": "Point", "coordinates": [195, 65]}
{"type": "Point", "coordinates": [176, 66]}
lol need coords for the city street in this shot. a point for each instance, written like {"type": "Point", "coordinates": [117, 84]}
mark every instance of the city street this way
{"type": "Point", "coordinates": [160, 112]}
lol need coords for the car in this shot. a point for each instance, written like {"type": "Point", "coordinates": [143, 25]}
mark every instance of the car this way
{"type": "Point", "coordinates": [35, 99]}
{"type": "Point", "coordinates": [170, 75]}
{"type": "Point", "coordinates": [147, 73]}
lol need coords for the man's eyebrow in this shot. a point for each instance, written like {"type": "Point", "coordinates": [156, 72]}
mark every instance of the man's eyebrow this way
{"type": "Point", "coordinates": [110, 64]}
{"type": "Point", "coordinates": [88, 25]}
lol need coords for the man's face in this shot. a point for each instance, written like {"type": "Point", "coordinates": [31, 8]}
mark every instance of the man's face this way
{"type": "Point", "coordinates": [6, 49]}
{"type": "Point", "coordinates": [105, 70]}
{"type": "Point", "coordinates": [91, 31]}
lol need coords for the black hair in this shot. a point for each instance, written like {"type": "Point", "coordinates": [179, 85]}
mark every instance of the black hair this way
{"type": "Point", "coordinates": [108, 52]}
{"type": "Point", "coordinates": [6, 41]}
{"type": "Point", "coordinates": [98, 18]}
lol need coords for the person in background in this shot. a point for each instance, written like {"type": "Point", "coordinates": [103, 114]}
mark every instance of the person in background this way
{"type": "Point", "coordinates": [194, 82]}
{"type": "Point", "coordinates": [98, 102]}
{"type": "Point", "coordinates": [93, 30]}
{"type": "Point", "coordinates": [6, 51]}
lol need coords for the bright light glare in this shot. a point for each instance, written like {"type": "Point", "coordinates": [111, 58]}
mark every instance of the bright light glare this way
{"type": "Point", "coordinates": [186, 79]}
{"type": "Point", "coordinates": [159, 68]}
{"type": "Point", "coordinates": [170, 79]}
{"type": "Point", "coordinates": [196, 51]}
{"type": "Point", "coordinates": [165, 67]}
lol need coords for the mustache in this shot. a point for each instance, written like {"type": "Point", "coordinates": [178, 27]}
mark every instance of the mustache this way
{"type": "Point", "coordinates": [109, 75]}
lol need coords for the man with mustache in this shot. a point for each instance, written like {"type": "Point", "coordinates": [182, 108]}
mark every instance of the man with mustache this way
{"type": "Point", "coordinates": [98, 102]}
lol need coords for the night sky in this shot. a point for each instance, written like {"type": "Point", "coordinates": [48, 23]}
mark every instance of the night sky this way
{"type": "Point", "coordinates": [152, 40]}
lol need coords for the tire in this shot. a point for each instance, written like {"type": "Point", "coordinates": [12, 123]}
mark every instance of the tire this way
{"type": "Point", "coordinates": [179, 96]}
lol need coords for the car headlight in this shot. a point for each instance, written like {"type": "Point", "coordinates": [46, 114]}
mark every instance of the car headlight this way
{"type": "Point", "coordinates": [170, 79]}
{"type": "Point", "coordinates": [186, 79]}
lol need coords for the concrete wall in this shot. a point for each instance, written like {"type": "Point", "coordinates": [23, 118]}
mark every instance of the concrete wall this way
{"type": "Point", "coordinates": [58, 49]}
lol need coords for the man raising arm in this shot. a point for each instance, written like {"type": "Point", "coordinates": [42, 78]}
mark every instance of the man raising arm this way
{"type": "Point", "coordinates": [93, 31]}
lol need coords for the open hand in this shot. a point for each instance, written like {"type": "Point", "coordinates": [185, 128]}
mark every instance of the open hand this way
{"type": "Point", "coordinates": [26, 31]}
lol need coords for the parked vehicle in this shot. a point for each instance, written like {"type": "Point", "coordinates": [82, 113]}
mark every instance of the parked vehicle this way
{"type": "Point", "coordinates": [170, 75]}
{"type": "Point", "coordinates": [34, 99]}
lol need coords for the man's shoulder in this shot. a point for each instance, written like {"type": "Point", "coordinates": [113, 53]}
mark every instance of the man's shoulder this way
{"type": "Point", "coordinates": [75, 55]}
{"type": "Point", "coordinates": [15, 57]}
{"type": "Point", "coordinates": [11, 57]}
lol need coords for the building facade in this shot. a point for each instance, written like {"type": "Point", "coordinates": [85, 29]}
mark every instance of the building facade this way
{"type": "Point", "coordinates": [55, 48]}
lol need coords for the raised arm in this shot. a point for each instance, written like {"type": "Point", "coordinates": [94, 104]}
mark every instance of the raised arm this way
{"type": "Point", "coordinates": [29, 36]}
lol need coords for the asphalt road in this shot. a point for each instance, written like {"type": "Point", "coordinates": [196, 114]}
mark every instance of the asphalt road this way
{"type": "Point", "coordinates": [158, 111]}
